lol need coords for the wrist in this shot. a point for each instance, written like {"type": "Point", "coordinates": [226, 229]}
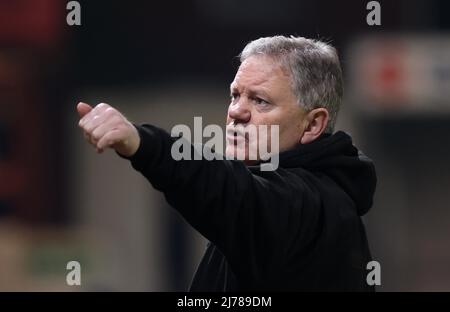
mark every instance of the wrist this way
{"type": "Point", "coordinates": [130, 146]}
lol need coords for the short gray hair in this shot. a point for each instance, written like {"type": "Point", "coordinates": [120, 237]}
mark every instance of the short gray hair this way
{"type": "Point", "coordinates": [314, 67]}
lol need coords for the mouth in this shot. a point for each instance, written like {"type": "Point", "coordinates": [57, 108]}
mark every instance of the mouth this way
{"type": "Point", "coordinates": [235, 137]}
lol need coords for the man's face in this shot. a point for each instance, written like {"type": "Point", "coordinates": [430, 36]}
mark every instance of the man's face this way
{"type": "Point", "coordinates": [261, 94]}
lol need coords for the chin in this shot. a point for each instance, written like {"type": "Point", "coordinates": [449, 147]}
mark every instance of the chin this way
{"type": "Point", "coordinates": [232, 152]}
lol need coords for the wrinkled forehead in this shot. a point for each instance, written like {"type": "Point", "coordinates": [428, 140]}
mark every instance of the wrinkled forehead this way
{"type": "Point", "coordinates": [260, 70]}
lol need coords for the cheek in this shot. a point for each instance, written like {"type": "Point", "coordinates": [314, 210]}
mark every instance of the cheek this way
{"type": "Point", "coordinates": [261, 119]}
{"type": "Point", "coordinates": [294, 134]}
{"type": "Point", "coordinates": [291, 133]}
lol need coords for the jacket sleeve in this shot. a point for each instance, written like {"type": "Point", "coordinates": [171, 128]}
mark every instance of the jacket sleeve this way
{"type": "Point", "coordinates": [252, 216]}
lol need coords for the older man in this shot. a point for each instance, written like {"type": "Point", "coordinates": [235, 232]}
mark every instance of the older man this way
{"type": "Point", "coordinates": [295, 228]}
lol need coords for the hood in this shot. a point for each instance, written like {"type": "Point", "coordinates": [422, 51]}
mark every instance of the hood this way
{"type": "Point", "coordinates": [336, 156]}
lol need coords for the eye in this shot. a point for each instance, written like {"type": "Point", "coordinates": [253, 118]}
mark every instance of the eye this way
{"type": "Point", "coordinates": [234, 96]}
{"type": "Point", "coordinates": [260, 101]}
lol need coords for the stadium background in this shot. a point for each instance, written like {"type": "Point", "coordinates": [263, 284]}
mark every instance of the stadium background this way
{"type": "Point", "coordinates": [165, 62]}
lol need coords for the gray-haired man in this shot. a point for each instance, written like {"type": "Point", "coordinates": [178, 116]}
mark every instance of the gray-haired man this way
{"type": "Point", "coordinates": [295, 228]}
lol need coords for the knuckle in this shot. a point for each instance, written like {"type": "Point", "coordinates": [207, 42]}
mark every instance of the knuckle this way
{"type": "Point", "coordinates": [108, 137]}
{"type": "Point", "coordinates": [102, 106]}
{"type": "Point", "coordinates": [110, 110]}
{"type": "Point", "coordinates": [109, 113]}
{"type": "Point", "coordinates": [87, 128]}
{"type": "Point", "coordinates": [96, 135]}
{"type": "Point", "coordinates": [82, 121]}
{"type": "Point", "coordinates": [112, 121]}
{"type": "Point", "coordinates": [120, 120]}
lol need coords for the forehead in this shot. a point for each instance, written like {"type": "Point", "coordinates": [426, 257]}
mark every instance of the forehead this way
{"type": "Point", "coordinates": [262, 71]}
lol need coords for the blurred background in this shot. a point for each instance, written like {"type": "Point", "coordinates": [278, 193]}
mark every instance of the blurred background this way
{"type": "Point", "coordinates": [164, 63]}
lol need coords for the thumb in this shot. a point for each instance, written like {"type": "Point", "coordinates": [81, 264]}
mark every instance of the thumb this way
{"type": "Point", "coordinates": [83, 109]}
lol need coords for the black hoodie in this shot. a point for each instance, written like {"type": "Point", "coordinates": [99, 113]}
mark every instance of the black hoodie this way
{"type": "Point", "coordinates": [297, 228]}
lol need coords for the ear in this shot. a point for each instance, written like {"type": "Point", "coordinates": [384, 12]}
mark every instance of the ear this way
{"type": "Point", "coordinates": [317, 121]}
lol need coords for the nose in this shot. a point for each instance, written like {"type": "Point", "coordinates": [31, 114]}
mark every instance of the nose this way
{"type": "Point", "coordinates": [239, 112]}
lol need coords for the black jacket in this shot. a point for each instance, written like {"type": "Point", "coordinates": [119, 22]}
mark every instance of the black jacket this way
{"type": "Point", "coordinates": [296, 229]}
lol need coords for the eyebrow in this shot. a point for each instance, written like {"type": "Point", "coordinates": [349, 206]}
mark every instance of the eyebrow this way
{"type": "Point", "coordinates": [233, 87]}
